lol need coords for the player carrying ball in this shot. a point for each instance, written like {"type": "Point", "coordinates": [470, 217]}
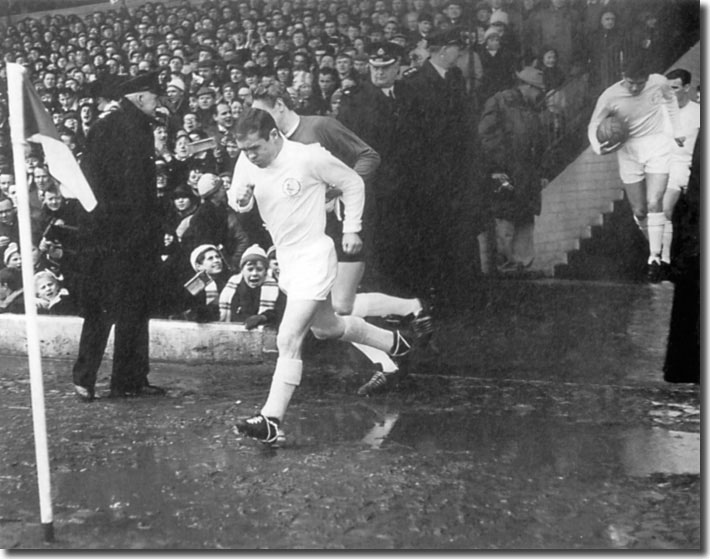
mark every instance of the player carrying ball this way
{"type": "Point", "coordinates": [640, 99]}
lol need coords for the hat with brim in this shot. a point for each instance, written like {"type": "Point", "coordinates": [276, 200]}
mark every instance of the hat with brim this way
{"type": "Point", "coordinates": [143, 82]}
{"type": "Point", "coordinates": [204, 90]}
{"type": "Point", "coordinates": [531, 76]}
{"type": "Point", "coordinates": [446, 38]}
{"type": "Point", "coordinates": [384, 54]}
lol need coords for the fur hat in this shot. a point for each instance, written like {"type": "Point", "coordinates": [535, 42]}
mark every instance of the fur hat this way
{"type": "Point", "coordinates": [199, 251]}
{"type": "Point", "coordinates": [252, 254]}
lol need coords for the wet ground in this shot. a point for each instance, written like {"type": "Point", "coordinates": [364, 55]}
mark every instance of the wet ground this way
{"type": "Point", "coordinates": [543, 423]}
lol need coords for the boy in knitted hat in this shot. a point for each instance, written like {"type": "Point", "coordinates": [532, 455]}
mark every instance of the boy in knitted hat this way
{"type": "Point", "coordinates": [252, 296]}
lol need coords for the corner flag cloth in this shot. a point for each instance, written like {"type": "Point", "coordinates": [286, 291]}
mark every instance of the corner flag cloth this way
{"type": "Point", "coordinates": [39, 127]}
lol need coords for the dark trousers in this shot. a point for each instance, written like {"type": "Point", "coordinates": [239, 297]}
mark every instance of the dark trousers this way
{"type": "Point", "coordinates": [130, 354]}
{"type": "Point", "coordinates": [682, 362]}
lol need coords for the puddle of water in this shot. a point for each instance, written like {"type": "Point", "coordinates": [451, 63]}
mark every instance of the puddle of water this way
{"type": "Point", "coordinates": [527, 443]}
{"type": "Point", "coordinates": [656, 450]}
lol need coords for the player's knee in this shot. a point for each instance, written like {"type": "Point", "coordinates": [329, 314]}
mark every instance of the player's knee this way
{"type": "Point", "coordinates": [343, 307]}
{"type": "Point", "coordinates": [288, 344]}
{"type": "Point", "coordinates": [640, 213]}
{"type": "Point", "coordinates": [323, 333]}
{"type": "Point", "coordinates": [668, 212]}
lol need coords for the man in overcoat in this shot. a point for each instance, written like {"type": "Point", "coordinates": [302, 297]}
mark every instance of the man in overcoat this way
{"type": "Point", "coordinates": [512, 145]}
{"type": "Point", "coordinates": [437, 134]}
{"type": "Point", "coordinates": [121, 240]}
{"type": "Point", "coordinates": [372, 110]}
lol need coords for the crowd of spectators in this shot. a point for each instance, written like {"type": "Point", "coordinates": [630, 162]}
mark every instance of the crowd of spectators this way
{"type": "Point", "coordinates": [213, 55]}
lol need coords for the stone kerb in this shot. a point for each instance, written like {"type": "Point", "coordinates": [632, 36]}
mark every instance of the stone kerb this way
{"type": "Point", "coordinates": [170, 340]}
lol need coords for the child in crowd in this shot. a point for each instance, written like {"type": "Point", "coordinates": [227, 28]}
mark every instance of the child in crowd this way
{"type": "Point", "coordinates": [204, 302]}
{"type": "Point", "coordinates": [252, 296]}
{"type": "Point", "coordinates": [273, 264]}
{"type": "Point", "coordinates": [11, 293]}
{"type": "Point", "coordinates": [12, 258]}
{"type": "Point", "coordinates": [52, 298]}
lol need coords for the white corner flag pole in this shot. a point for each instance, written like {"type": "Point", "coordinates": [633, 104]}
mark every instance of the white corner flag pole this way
{"type": "Point", "coordinates": [17, 131]}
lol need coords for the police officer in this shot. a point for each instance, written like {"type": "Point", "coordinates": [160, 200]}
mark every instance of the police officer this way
{"type": "Point", "coordinates": [437, 132]}
{"type": "Point", "coordinates": [372, 110]}
{"type": "Point", "coordinates": [120, 242]}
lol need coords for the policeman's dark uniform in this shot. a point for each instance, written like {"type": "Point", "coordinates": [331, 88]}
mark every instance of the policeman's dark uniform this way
{"type": "Point", "coordinates": [375, 116]}
{"type": "Point", "coordinates": [437, 134]}
{"type": "Point", "coordinates": [121, 243]}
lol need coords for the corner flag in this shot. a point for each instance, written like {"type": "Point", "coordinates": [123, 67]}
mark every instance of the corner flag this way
{"type": "Point", "coordinates": [39, 127]}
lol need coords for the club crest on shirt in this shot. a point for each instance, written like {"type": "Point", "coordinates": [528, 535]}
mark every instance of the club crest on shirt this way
{"type": "Point", "coordinates": [291, 187]}
{"type": "Point", "coordinates": [657, 98]}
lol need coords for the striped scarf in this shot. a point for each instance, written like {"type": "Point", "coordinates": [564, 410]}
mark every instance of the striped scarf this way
{"type": "Point", "coordinates": [267, 297]}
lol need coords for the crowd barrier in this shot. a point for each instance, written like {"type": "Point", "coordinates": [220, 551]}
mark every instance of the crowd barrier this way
{"type": "Point", "coordinates": [170, 340]}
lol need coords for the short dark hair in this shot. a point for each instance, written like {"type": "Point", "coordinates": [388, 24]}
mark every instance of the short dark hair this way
{"type": "Point", "coordinates": [254, 120]}
{"type": "Point", "coordinates": [270, 93]}
{"type": "Point", "coordinates": [680, 73]}
{"type": "Point", "coordinates": [11, 278]}
{"type": "Point", "coordinates": [636, 67]}
{"type": "Point", "coordinates": [215, 107]}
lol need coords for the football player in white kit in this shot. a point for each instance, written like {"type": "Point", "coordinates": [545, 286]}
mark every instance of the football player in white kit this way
{"type": "Point", "coordinates": [642, 99]}
{"type": "Point", "coordinates": [287, 180]}
{"type": "Point", "coordinates": [681, 157]}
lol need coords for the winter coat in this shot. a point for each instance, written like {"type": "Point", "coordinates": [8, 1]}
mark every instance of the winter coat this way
{"type": "Point", "coordinates": [121, 238]}
{"type": "Point", "coordinates": [512, 142]}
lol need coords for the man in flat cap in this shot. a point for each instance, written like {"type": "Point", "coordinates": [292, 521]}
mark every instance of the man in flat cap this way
{"type": "Point", "coordinates": [120, 243]}
{"type": "Point", "coordinates": [512, 144]}
{"type": "Point", "coordinates": [436, 117]}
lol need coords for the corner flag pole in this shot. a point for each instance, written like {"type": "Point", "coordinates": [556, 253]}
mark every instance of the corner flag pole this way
{"type": "Point", "coordinates": [17, 131]}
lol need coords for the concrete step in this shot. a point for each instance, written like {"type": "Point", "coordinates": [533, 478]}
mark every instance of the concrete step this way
{"type": "Point", "coordinates": [574, 206]}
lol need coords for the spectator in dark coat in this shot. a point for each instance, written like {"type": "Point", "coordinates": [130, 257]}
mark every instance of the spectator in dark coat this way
{"type": "Point", "coordinates": [682, 363]}
{"type": "Point", "coordinates": [510, 135]}
{"type": "Point", "coordinates": [494, 66]}
{"type": "Point", "coordinates": [120, 243]}
{"type": "Point", "coordinates": [9, 230]}
{"type": "Point", "coordinates": [216, 223]}
{"type": "Point", "coordinates": [603, 52]}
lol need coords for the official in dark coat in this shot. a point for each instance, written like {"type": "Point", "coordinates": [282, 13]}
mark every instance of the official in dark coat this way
{"type": "Point", "coordinates": [373, 111]}
{"type": "Point", "coordinates": [121, 242]}
{"type": "Point", "coordinates": [682, 362]}
{"type": "Point", "coordinates": [437, 131]}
